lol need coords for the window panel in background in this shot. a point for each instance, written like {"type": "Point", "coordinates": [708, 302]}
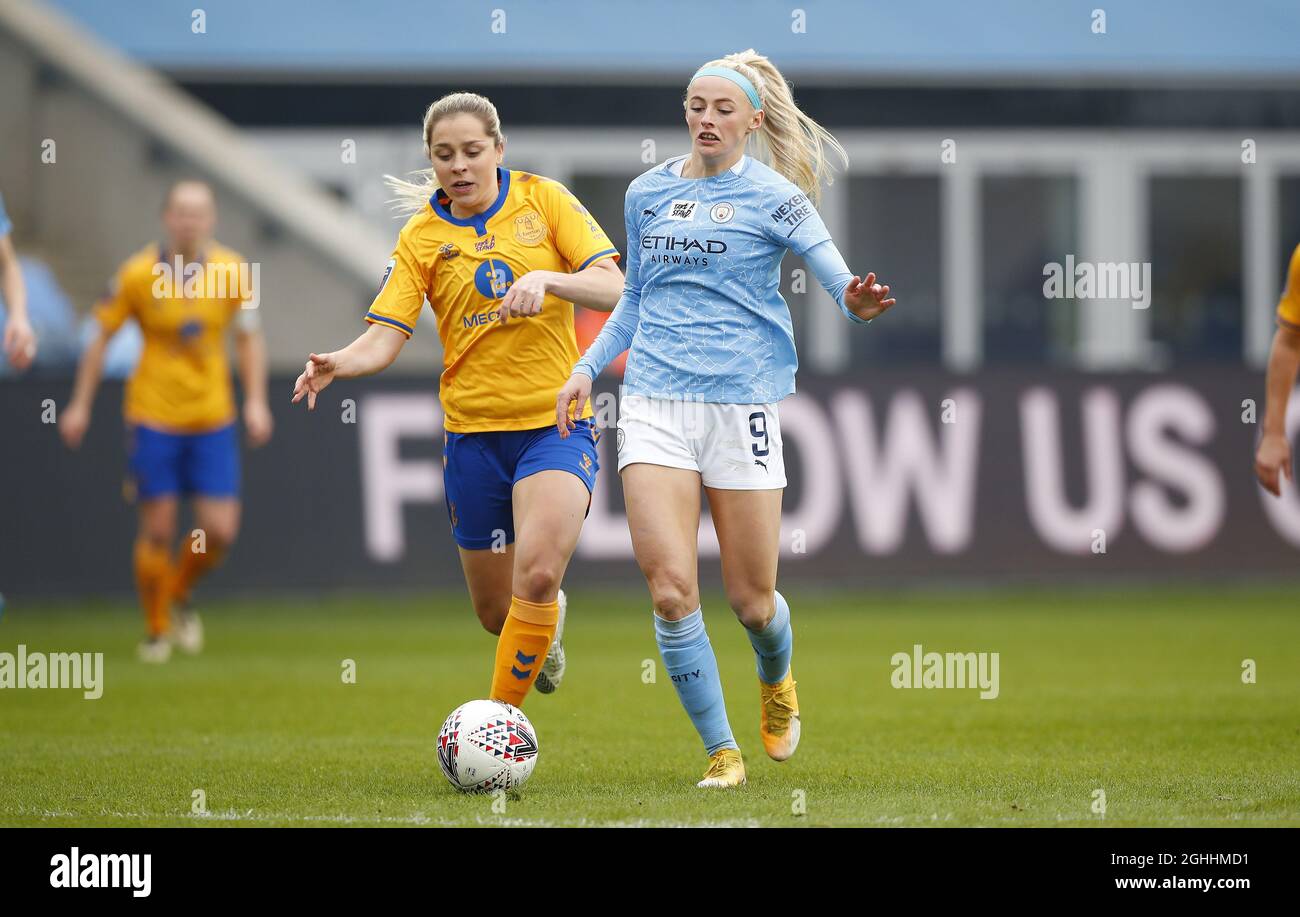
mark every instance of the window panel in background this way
{"type": "Point", "coordinates": [1027, 222]}
{"type": "Point", "coordinates": [1196, 268]}
{"type": "Point", "coordinates": [894, 231]}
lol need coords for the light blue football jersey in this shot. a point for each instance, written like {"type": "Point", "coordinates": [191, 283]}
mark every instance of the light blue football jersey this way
{"type": "Point", "coordinates": [702, 312]}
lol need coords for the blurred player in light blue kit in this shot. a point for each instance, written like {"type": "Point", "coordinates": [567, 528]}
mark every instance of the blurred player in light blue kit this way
{"type": "Point", "coordinates": [17, 339]}
{"type": "Point", "coordinates": [711, 353]}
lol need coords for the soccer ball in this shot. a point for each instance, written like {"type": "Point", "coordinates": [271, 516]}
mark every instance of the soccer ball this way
{"type": "Point", "coordinates": [487, 745]}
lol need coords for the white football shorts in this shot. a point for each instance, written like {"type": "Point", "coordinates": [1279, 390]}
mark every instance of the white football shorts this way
{"type": "Point", "coordinates": [732, 446]}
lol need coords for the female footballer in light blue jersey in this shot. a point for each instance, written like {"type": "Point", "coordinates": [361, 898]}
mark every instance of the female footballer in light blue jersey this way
{"type": "Point", "coordinates": [17, 340]}
{"type": "Point", "coordinates": [711, 353]}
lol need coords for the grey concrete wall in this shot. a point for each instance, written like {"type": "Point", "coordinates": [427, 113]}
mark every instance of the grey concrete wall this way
{"type": "Point", "coordinates": [99, 201]}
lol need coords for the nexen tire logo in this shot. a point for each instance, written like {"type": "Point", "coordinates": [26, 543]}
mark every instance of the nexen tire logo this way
{"type": "Point", "coordinates": [793, 212]}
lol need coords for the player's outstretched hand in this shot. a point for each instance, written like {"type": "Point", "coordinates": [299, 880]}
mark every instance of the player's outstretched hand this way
{"type": "Point", "coordinates": [19, 343]}
{"type": "Point", "coordinates": [569, 402]}
{"type": "Point", "coordinates": [318, 373]}
{"type": "Point", "coordinates": [1273, 460]}
{"type": "Point", "coordinates": [258, 422]}
{"type": "Point", "coordinates": [865, 298]}
{"type": "Point", "coordinates": [73, 422]}
{"type": "Point", "coordinates": [524, 298]}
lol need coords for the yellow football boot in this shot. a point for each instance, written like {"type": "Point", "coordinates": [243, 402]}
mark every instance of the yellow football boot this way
{"type": "Point", "coordinates": [726, 769]}
{"type": "Point", "coordinates": [779, 726]}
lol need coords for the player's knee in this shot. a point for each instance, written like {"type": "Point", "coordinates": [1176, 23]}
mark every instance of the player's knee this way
{"type": "Point", "coordinates": [538, 582]}
{"type": "Point", "coordinates": [753, 609]}
{"type": "Point", "coordinates": [674, 594]}
{"type": "Point", "coordinates": [492, 615]}
{"type": "Point", "coordinates": [159, 532]}
{"type": "Point", "coordinates": [221, 537]}
{"type": "Point", "coordinates": [220, 529]}
{"type": "Point", "coordinates": [158, 536]}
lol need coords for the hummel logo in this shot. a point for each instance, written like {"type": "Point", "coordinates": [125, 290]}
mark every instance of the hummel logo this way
{"type": "Point", "coordinates": [764, 464]}
{"type": "Point", "coordinates": [519, 673]}
{"type": "Point", "coordinates": [647, 213]}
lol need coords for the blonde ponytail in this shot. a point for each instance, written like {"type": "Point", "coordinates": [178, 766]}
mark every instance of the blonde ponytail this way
{"type": "Point", "coordinates": [411, 196]}
{"type": "Point", "coordinates": [789, 141]}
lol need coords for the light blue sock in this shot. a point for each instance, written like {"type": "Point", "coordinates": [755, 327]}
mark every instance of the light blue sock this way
{"type": "Point", "coordinates": [774, 643]}
{"type": "Point", "coordinates": [688, 657]}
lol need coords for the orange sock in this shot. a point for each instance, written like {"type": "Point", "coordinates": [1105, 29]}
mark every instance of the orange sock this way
{"type": "Point", "coordinates": [192, 566]}
{"type": "Point", "coordinates": [153, 573]}
{"type": "Point", "coordinates": [525, 639]}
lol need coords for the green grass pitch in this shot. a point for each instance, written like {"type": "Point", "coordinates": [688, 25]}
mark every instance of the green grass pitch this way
{"type": "Point", "coordinates": [1137, 693]}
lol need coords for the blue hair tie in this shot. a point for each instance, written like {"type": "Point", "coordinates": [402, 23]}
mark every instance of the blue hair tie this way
{"type": "Point", "coordinates": [727, 73]}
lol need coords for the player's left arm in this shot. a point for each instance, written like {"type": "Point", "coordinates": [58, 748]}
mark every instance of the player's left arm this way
{"type": "Point", "coordinates": [860, 298]}
{"type": "Point", "coordinates": [597, 286]}
{"type": "Point", "coordinates": [250, 352]}
{"type": "Point", "coordinates": [19, 339]}
{"type": "Point", "coordinates": [595, 281]}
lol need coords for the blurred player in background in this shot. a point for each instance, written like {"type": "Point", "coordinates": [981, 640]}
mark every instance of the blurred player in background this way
{"type": "Point", "coordinates": [712, 351]}
{"type": "Point", "coordinates": [1273, 457]}
{"type": "Point", "coordinates": [180, 405]}
{"type": "Point", "coordinates": [487, 245]}
{"type": "Point", "coordinates": [19, 341]}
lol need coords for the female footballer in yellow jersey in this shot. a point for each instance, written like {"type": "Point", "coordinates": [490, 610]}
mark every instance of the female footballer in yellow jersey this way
{"type": "Point", "coordinates": [501, 256]}
{"type": "Point", "coordinates": [179, 406]}
{"type": "Point", "coordinates": [1273, 457]}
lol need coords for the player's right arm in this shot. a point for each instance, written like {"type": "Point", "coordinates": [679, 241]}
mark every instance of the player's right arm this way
{"type": "Point", "coordinates": [392, 318]}
{"type": "Point", "coordinates": [617, 333]}
{"type": "Point", "coordinates": [1273, 458]}
{"type": "Point", "coordinates": [1274, 455]}
{"type": "Point", "coordinates": [75, 419]}
{"type": "Point", "coordinates": [372, 352]}
{"type": "Point", "coordinates": [110, 312]}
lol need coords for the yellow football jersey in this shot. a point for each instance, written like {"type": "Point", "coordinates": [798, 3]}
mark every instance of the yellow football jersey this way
{"type": "Point", "coordinates": [182, 382]}
{"type": "Point", "coordinates": [494, 377]}
{"type": "Point", "coordinates": [1288, 308]}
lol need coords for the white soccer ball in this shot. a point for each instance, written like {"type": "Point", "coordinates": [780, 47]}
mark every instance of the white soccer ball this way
{"type": "Point", "coordinates": [487, 745]}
